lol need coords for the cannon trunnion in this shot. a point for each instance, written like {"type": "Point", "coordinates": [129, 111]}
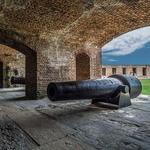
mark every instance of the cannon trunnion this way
{"type": "Point", "coordinates": [116, 90]}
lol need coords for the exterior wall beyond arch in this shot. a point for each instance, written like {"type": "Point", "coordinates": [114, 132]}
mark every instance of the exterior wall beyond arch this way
{"type": "Point", "coordinates": [129, 70]}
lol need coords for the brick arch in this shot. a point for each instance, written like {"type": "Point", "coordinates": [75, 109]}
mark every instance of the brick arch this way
{"type": "Point", "coordinates": [109, 38]}
{"type": "Point", "coordinates": [82, 66]}
{"type": "Point", "coordinates": [9, 39]}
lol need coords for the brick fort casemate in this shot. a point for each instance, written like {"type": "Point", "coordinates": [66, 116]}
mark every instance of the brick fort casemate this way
{"type": "Point", "coordinates": [62, 39]}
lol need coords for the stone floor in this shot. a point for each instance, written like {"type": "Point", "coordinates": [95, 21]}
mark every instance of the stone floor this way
{"type": "Point", "coordinates": [43, 125]}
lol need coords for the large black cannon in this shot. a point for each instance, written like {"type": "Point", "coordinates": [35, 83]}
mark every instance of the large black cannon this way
{"type": "Point", "coordinates": [17, 80]}
{"type": "Point", "coordinates": [116, 90]}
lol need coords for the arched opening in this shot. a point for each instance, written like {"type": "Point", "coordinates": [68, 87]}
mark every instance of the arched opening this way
{"type": "Point", "coordinates": [82, 67]}
{"type": "Point", "coordinates": [128, 54]}
{"type": "Point", "coordinates": [7, 39]}
{"type": "Point", "coordinates": [12, 65]}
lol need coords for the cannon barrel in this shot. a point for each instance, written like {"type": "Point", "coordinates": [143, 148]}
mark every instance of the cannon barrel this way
{"type": "Point", "coordinates": [106, 89]}
{"type": "Point", "coordinates": [91, 89]}
{"type": "Point", "coordinates": [17, 80]}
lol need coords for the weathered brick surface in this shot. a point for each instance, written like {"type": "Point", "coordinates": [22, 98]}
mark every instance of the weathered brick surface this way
{"type": "Point", "coordinates": [58, 30]}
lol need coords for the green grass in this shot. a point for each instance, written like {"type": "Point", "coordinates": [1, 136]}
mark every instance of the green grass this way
{"type": "Point", "coordinates": [146, 86]}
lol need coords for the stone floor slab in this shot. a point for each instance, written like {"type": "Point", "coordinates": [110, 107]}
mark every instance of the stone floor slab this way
{"type": "Point", "coordinates": [80, 125]}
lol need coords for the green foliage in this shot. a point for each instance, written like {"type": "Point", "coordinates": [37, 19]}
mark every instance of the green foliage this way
{"type": "Point", "coordinates": [146, 86]}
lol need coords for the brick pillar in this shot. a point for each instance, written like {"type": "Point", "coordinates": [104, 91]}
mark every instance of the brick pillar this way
{"type": "Point", "coordinates": [31, 76]}
{"type": "Point", "coordinates": [1, 75]}
{"type": "Point", "coordinates": [95, 65]}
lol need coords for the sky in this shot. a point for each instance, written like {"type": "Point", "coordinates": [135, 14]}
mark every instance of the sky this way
{"type": "Point", "coordinates": [130, 48]}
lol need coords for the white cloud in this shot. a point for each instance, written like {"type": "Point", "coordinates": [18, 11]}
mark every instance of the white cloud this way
{"type": "Point", "coordinates": [127, 43]}
{"type": "Point", "coordinates": [112, 60]}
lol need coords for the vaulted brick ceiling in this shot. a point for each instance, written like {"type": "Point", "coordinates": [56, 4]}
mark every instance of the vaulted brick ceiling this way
{"type": "Point", "coordinates": [35, 15]}
{"type": "Point", "coordinates": [81, 20]}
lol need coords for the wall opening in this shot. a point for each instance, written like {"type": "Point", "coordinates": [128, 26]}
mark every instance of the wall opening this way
{"type": "Point", "coordinates": [103, 71]}
{"type": "Point", "coordinates": [82, 67]}
{"type": "Point", "coordinates": [144, 72]}
{"type": "Point", "coordinates": [12, 65]}
{"type": "Point", "coordinates": [134, 71]}
{"type": "Point", "coordinates": [1, 74]}
{"type": "Point", "coordinates": [7, 39]}
{"type": "Point", "coordinates": [114, 70]}
{"type": "Point", "coordinates": [124, 70]}
{"type": "Point", "coordinates": [128, 53]}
